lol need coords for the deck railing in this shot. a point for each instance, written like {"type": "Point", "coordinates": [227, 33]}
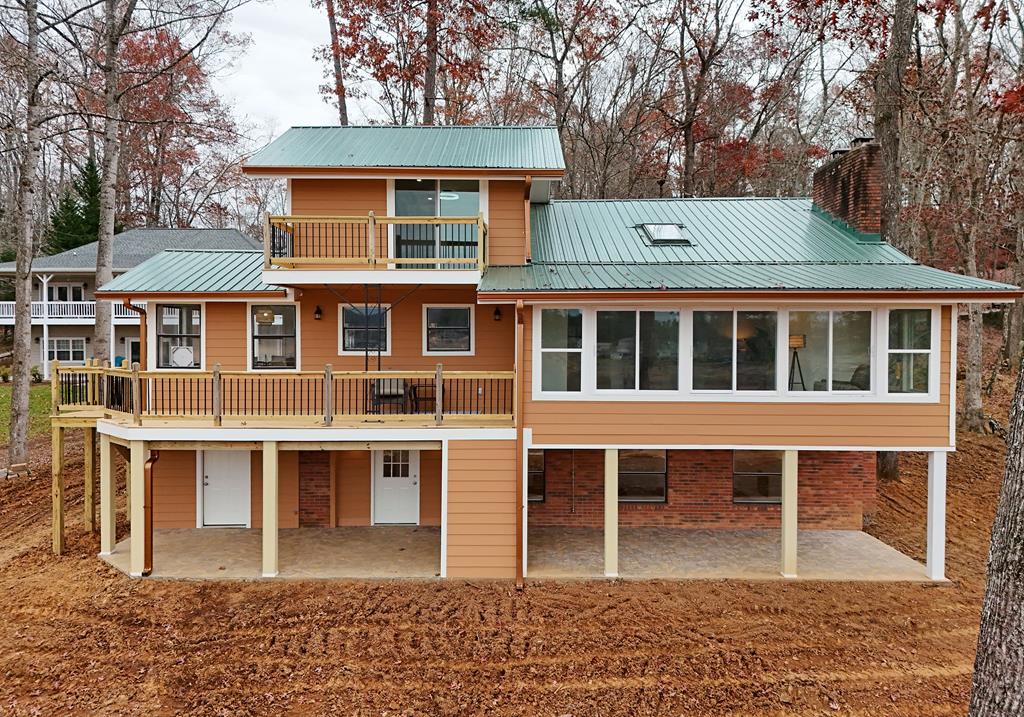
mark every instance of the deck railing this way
{"type": "Point", "coordinates": [375, 242]}
{"type": "Point", "coordinates": [295, 397]}
{"type": "Point", "coordinates": [67, 310]}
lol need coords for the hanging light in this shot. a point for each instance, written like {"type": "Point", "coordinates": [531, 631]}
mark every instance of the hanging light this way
{"type": "Point", "coordinates": [264, 315]}
{"type": "Point", "coordinates": [318, 313]}
{"type": "Point", "coordinates": [497, 313]}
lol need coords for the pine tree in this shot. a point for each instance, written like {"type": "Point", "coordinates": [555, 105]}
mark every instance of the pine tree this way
{"type": "Point", "coordinates": [87, 187]}
{"type": "Point", "coordinates": [76, 218]}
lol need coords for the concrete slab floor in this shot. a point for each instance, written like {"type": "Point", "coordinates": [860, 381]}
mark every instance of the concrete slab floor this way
{"type": "Point", "coordinates": [646, 553]}
{"type": "Point", "coordinates": [382, 551]}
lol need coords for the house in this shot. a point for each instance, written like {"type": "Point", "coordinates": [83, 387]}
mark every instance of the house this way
{"type": "Point", "coordinates": [63, 287]}
{"type": "Point", "coordinates": [435, 368]}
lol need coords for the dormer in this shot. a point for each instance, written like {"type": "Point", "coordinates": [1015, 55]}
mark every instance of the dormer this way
{"type": "Point", "coordinates": [440, 203]}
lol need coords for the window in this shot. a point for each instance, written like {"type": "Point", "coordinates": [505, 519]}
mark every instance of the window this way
{"type": "Point", "coordinates": [274, 333]}
{"type": "Point", "coordinates": [623, 362]}
{"type": "Point", "coordinates": [666, 234]}
{"type": "Point", "coordinates": [65, 292]}
{"type": "Point", "coordinates": [734, 350]}
{"type": "Point", "coordinates": [70, 350]}
{"type": "Point", "coordinates": [365, 329]}
{"type": "Point", "coordinates": [643, 476]}
{"type": "Point", "coordinates": [822, 339]}
{"type": "Point", "coordinates": [448, 329]}
{"type": "Point", "coordinates": [436, 198]}
{"type": "Point", "coordinates": [178, 338]}
{"type": "Point", "coordinates": [535, 476]}
{"type": "Point", "coordinates": [757, 476]}
{"type": "Point", "coordinates": [910, 346]}
{"type": "Point", "coordinates": [561, 347]}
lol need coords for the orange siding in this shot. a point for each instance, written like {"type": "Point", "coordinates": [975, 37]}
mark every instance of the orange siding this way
{"type": "Point", "coordinates": [339, 197]}
{"type": "Point", "coordinates": [287, 489]}
{"type": "Point", "coordinates": [482, 509]}
{"type": "Point", "coordinates": [174, 490]}
{"type": "Point", "coordinates": [352, 474]}
{"type": "Point", "coordinates": [430, 487]}
{"type": "Point", "coordinates": [226, 342]}
{"type": "Point", "coordinates": [506, 222]}
{"type": "Point", "coordinates": [719, 423]}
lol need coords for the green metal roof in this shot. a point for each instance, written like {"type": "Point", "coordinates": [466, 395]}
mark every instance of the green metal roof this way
{"type": "Point", "coordinates": [439, 147]}
{"type": "Point", "coordinates": [186, 272]}
{"type": "Point", "coordinates": [734, 244]}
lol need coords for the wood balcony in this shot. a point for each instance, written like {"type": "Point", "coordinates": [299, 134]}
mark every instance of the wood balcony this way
{"type": "Point", "coordinates": [287, 399]}
{"type": "Point", "coordinates": [375, 242]}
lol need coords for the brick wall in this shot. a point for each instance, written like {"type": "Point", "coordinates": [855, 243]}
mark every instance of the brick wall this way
{"type": "Point", "coordinates": [314, 489]}
{"type": "Point", "coordinates": [836, 490]}
{"type": "Point", "coordinates": [849, 188]}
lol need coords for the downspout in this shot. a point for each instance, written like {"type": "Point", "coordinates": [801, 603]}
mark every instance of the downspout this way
{"type": "Point", "coordinates": [143, 330]}
{"type": "Point", "coordinates": [527, 189]}
{"type": "Point", "coordinates": [518, 408]}
{"type": "Point", "coordinates": [147, 508]}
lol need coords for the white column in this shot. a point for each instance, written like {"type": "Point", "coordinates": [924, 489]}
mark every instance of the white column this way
{"type": "Point", "coordinates": [108, 517]}
{"type": "Point", "coordinates": [270, 498]}
{"type": "Point", "coordinates": [790, 522]}
{"type": "Point", "coordinates": [136, 509]}
{"type": "Point", "coordinates": [45, 299]}
{"type": "Point", "coordinates": [611, 513]}
{"type": "Point", "coordinates": [935, 562]}
{"type": "Point", "coordinates": [112, 350]}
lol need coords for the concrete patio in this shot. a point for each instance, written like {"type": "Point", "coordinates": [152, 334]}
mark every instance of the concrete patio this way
{"type": "Point", "coordinates": [715, 554]}
{"type": "Point", "coordinates": [384, 551]}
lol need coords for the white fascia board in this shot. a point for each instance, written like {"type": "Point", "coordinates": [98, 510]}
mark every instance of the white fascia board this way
{"type": "Point", "coordinates": [318, 277]}
{"type": "Point", "coordinates": [740, 447]}
{"type": "Point", "coordinates": [251, 433]}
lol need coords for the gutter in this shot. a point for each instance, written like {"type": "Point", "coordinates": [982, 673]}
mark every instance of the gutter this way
{"type": "Point", "coordinates": [147, 512]}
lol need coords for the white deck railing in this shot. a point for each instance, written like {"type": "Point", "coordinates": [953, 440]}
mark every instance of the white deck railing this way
{"type": "Point", "coordinates": [67, 310]}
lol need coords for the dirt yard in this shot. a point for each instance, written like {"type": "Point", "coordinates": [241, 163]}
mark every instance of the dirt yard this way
{"type": "Point", "coordinates": [78, 638]}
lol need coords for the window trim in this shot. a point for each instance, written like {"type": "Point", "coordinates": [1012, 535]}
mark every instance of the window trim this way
{"type": "Point", "coordinates": [934, 357]}
{"type": "Point", "coordinates": [543, 473]}
{"type": "Point", "coordinates": [753, 501]}
{"type": "Point", "coordinates": [472, 330]}
{"type": "Point", "coordinates": [250, 336]}
{"type": "Point", "coordinates": [642, 501]}
{"type": "Point", "coordinates": [539, 352]}
{"type": "Point", "coordinates": [153, 349]}
{"type": "Point", "coordinates": [341, 332]}
{"type": "Point", "coordinates": [70, 362]}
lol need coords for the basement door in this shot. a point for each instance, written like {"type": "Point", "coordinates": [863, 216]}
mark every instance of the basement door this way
{"type": "Point", "coordinates": [396, 487]}
{"type": "Point", "coordinates": [226, 487]}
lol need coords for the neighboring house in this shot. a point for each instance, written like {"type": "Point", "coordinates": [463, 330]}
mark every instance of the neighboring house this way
{"type": "Point", "coordinates": [433, 368]}
{"type": "Point", "coordinates": [63, 291]}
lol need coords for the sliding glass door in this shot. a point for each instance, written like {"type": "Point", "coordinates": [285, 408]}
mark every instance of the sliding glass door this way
{"type": "Point", "coordinates": [436, 198]}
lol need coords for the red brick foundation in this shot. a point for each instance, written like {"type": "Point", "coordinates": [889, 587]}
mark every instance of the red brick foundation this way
{"type": "Point", "coordinates": [836, 490]}
{"type": "Point", "coordinates": [314, 489]}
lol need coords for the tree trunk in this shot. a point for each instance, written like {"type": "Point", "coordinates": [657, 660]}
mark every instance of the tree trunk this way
{"type": "Point", "coordinates": [997, 689]}
{"type": "Point", "coordinates": [339, 75]}
{"type": "Point", "coordinates": [430, 73]}
{"type": "Point", "coordinates": [23, 359]}
{"type": "Point", "coordinates": [887, 466]}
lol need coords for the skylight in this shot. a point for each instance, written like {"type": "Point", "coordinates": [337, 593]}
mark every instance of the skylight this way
{"type": "Point", "coordinates": [666, 234]}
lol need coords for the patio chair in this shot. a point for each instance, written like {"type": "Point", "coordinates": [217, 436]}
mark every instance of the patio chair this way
{"type": "Point", "coordinates": [388, 392]}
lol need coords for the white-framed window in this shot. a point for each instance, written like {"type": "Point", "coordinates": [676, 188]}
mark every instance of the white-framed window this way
{"type": "Point", "coordinates": [364, 329]}
{"type": "Point", "coordinates": [561, 350]}
{"type": "Point", "coordinates": [67, 350]}
{"type": "Point", "coordinates": [65, 291]}
{"type": "Point", "coordinates": [179, 336]}
{"type": "Point", "coordinates": [637, 350]}
{"type": "Point", "coordinates": [734, 350]}
{"type": "Point", "coordinates": [274, 337]}
{"type": "Point", "coordinates": [448, 330]}
{"type": "Point", "coordinates": [830, 351]}
{"type": "Point", "coordinates": [909, 351]}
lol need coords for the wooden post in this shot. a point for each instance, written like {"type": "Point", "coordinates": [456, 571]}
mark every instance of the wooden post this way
{"type": "Point", "coordinates": [136, 396]}
{"type": "Point", "coordinates": [481, 245]}
{"type": "Point", "coordinates": [935, 552]}
{"type": "Point", "coordinates": [439, 394]}
{"type": "Point", "coordinates": [218, 409]}
{"type": "Point", "coordinates": [108, 497]}
{"type": "Point", "coordinates": [89, 479]}
{"type": "Point", "coordinates": [57, 467]}
{"type": "Point", "coordinates": [270, 509]}
{"type": "Point", "coordinates": [266, 240]}
{"type": "Point", "coordinates": [136, 509]}
{"type": "Point", "coordinates": [371, 237]}
{"type": "Point", "coordinates": [328, 395]}
{"type": "Point", "coordinates": [54, 388]}
{"type": "Point", "coordinates": [790, 522]}
{"type": "Point", "coordinates": [611, 513]}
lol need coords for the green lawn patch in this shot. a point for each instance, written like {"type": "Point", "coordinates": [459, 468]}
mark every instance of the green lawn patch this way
{"type": "Point", "coordinates": [38, 410]}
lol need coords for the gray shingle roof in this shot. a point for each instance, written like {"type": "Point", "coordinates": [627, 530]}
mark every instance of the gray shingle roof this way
{"type": "Point", "coordinates": [444, 147]}
{"type": "Point", "coordinates": [134, 246]}
{"type": "Point", "coordinates": [190, 271]}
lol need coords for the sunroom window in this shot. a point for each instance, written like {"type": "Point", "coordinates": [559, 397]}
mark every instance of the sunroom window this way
{"type": "Point", "coordinates": [734, 350]}
{"type": "Point", "coordinates": [178, 336]}
{"type": "Point", "coordinates": [638, 349]}
{"type": "Point", "coordinates": [910, 346]}
{"type": "Point", "coordinates": [819, 340]}
{"type": "Point", "coordinates": [561, 349]}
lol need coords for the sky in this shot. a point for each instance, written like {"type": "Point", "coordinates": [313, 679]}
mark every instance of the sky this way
{"type": "Point", "coordinates": [274, 84]}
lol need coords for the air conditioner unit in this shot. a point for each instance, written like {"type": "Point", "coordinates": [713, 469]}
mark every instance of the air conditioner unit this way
{"type": "Point", "coordinates": [182, 357]}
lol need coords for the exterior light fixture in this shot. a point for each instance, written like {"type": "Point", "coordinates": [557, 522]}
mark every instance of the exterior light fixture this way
{"type": "Point", "coordinates": [497, 313]}
{"type": "Point", "coordinates": [318, 313]}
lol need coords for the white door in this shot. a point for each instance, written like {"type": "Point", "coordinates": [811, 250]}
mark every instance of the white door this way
{"type": "Point", "coordinates": [226, 486]}
{"type": "Point", "coordinates": [396, 487]}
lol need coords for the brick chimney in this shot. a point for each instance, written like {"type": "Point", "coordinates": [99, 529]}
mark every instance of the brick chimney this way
{"type": "Point", "coordinates": [849, 186]}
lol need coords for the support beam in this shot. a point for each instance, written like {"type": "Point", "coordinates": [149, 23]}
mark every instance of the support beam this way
{"type": "Point", "coordinates": [790, 522]}
{"type": "Point", "coordinates": [108, 497]}
{"type": "Point", "coordinates": [89, 477]}
{"type": "Point", "coordinates": [935, 560]}
{"type": "Point", "coordinates": [57, 467]}
{"type": "Point", "coordinates": [136, 483]}
{"type": "Point", "coordinates": [611, 513]}
{"type": "Point", "coordinates": [270, 499]}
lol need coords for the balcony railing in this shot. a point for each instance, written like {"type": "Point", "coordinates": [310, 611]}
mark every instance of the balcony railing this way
{"type": "Point", "coordinates": [66, 310]}
{"type": "Point", "coordinates": [374, 242]}
{"type": "Point", "coordinates": [304, 397]}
